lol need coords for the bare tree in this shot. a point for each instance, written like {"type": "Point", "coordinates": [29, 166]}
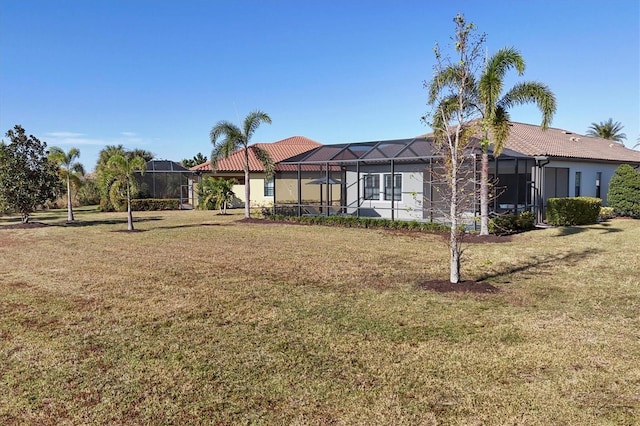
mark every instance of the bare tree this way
{"type": "Point", "coordinates": [451, 94]}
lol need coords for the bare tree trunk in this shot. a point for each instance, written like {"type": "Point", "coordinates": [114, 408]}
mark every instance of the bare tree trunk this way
{"type": "Point", "coordinates": [69, 204]}
{"type": "Point", "coordinates": [484, 194]}
{"type": "Point", "coordinates": [454, 246]}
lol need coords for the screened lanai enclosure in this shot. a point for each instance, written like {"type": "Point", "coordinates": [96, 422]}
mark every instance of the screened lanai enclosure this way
{"type": "Point", "coordinates": [167, 179]}
{"type": "Point", "coordinates": [402, 180]}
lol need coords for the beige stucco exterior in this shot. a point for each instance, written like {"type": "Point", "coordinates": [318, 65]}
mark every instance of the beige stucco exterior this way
{"type": "Point", "coordinates": [286, 188]}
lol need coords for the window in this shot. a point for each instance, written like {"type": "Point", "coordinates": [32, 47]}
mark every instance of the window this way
{"type": "Point", "coordinates": [268, 187]}
{"type": "Point", "coordinates": [578, 179]}
{"type": "Point", "coordinates": [393, 185]}
{"type": "Point", "coordinates": [371, 187]}
{"type": "Point", "coordinates": [598, 180]}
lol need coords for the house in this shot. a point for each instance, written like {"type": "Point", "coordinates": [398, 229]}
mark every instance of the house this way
{"type": "Point", "coordinates": [287, 184]}
{"type": "Point", "coordinates": [166, 179]}
{"type": "Point", "coordinates": [398, 179]}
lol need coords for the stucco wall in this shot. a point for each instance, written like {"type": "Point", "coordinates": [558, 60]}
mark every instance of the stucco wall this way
{"type": "Point", "coordinates": [589, 173]}
{"type": "Point", "coordinates": [409, 207]}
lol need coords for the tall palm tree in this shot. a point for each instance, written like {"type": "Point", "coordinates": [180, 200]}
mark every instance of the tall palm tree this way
{"type": "Point", "coordinates": [234, 139]}
{"type": "Point", "coordinates": [120, 170]}
{"type": "Point", "coordinates": [607, 130]}
{"type": "Point", "coordinates": [495, 112]}
{"type": "Point", "coordinates": [70, 170]}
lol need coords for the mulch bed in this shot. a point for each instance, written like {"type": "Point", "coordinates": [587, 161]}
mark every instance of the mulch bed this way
{"type": "Point", "coordinates": [444, 286]}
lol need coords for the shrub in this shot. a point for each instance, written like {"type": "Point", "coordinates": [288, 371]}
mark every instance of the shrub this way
{"type": "Point", "coordinates": [511, 223]}
{"type": "Point", "coordinates": [359, 222]}
{"type": "Point", "coordinates": [573, 211]}
{"type": "Point", "coordinates": [607, 213]}
{"type": "Point", "coordinates": [624, 191]}
{"type": "Point", "coordinates": [146, 204]}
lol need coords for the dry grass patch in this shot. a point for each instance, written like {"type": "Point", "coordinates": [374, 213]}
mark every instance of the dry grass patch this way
{"type": "Point", "coordinates": [200, 319]}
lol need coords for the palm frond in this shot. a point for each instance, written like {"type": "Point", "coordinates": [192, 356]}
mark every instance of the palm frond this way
{"type": "Point", "coordinates": [253, 121]}
{"type": "Point", "coordinates": [263, 156]}
{"type": "Point", "coordinates": [226, 138]}
{"type": "Point", "coordinates": [532, 92]}
{"type": "Point", "coordinates": [500, 129]}
{"type": "Point", "coordinates": [442, 116]}
{"type": "Point", "coordinates": [607, 130]}
{"type": "Point", "coordinates": [445, 78]}
{"type": "Point", "coordinates": [492, 79]}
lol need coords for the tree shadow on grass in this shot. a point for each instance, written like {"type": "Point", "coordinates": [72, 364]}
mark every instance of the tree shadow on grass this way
{"type": "Point", "coordinates": [193, 225]}
{"type": "Point", "coordinates": [565, 259]}
{"type": "Point", "coordinates": [572, 230]}
{"type": "Point", "coordinates": [85, 223]}
{"type": "Point", "coordinates": [75, 224]}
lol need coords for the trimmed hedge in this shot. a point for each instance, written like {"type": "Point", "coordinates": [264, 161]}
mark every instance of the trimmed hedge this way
{"type": "Point", "coordinates": [511, 223]}
{"type": "Point", "coordinates": [624, 191]}
{"type": "Point", "coordinates": [361, 222]}
{"type": "Point", "coordinates": [573, 211]}
{"type": "Point", "coordinates": [146, 204]}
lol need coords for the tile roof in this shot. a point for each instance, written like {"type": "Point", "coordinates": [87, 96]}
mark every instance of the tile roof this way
{"type": "Point", "coordinates": [278, 151]}
{"type": "Point", "coordinates": [531, 140]}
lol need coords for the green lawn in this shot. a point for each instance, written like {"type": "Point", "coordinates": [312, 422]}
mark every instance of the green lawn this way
{"type": "Point", "coordinates": [199, 319]}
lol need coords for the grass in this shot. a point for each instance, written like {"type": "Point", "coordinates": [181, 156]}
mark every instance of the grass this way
{"type": "Point", "coordinates": [199, 319]}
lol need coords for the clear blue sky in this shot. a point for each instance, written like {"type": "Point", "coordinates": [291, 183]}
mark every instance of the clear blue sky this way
{"type": "Point", "coordinates": [158, 74]}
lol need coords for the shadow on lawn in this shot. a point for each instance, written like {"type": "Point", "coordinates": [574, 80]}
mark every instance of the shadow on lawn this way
{"type": "Point", "coordinates": [572, 230]}
{"type": "Point", "coordinates": [75, 224]}
{"type": "Point", "coordinates": [564, 259]}
{"type": "Point", "coordinates": [84, 223]}
{"type": "Point", "coordinates": [193, 225]}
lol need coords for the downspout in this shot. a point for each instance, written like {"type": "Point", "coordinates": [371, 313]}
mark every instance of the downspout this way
{"type": "Point", "coordinates": [328, 192]}
{"type": "Point", "coordinates": [517, 187]}
{"type": "Point", "coordinates": [275, 193]}
{"type": "Point", "coordinates": [358, 189]}
{"type": "Point", "coordinates": [431, 190]}
{"type": "Point", "coordinates": [393, 195]}
{"type": "Point", "coordinates": [299, 190]}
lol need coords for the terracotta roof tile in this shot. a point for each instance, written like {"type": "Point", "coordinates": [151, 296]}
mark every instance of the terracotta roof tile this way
{"type": "Point", "coordinates": [531, 140]}
{"type": "Point", "coordinates": [278, 151]}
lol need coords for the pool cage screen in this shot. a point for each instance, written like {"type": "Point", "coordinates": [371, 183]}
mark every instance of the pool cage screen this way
{"type": "Point", "coordinates": [166, 179]}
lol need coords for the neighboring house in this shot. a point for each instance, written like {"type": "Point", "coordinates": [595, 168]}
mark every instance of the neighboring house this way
{"type": "Point", "coordinates": [285, 183]}
{"type": "Point", "coordinates": [167, 179]}
{"type": "Point", "coordinates": [395, 179]}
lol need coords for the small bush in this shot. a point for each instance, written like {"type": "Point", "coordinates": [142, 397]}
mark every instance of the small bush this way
{"type": "Point", "coordinates": [607, 213]}
{"type": "Point", "coordinates": [624, 191]}
{"type": "Point", "coordinates": [573, 211]}
{"type": "Point", "coordinates": [511, 223]}
{"type": "Point", "coordinates": [148, 204]}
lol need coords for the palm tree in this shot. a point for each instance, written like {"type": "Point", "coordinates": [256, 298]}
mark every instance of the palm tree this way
{"type": "Point", "coordinates": [216, 193]}
{"type": "Point", "coordinates": [104, 179]}
{"type": "Point", "coordinates": [70, 170]}
{"type": "Point", "coordinates": [607, 130]}
{"type": "Point", "coordinates": [120, 170]}
{"type": "Point", "coordinates": [495, 115]}
{"type": "Point", "coordinates": [234, 139]}
{"type": "Point", "coordinates": [192, 162]}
